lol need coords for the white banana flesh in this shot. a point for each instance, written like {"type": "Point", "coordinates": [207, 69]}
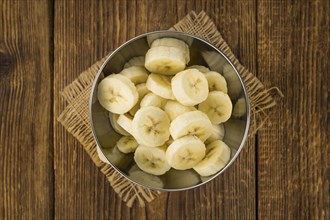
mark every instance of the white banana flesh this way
{"type": "Point", "coordinates": [184, 153]}
{"type": "Point", "coordinates": [173, 42]}
{"type": "Point", "coordinates": [135, 61]}
{"type": "Point", "coordinates": [125, 121]}
{"type": "Point", "coordinates": [127, 144]}
{"type": "Point", "coordinates": [165, 60]}
{"type": "Point", "coordinates": [152, 99]}
{"type": "Point", "coordinates": [217, 106]}
{"type": "Point", "coordinates": [174, 109]}
{"type": "Point", "coordinates": [218, 132]}
{"type": "Point", "coordinates": [191, 123]}
{"type": "Point", "coordinates": [160, 85]}
{"type": "Point", "coordinates": [216, 158]}
{"type": "Point", "coordinates": [216, 81]}
{"type": "Point", "coordinates": [137, 74]}
{"type": "Point", "coordinates": [150, 126]}
{"type": "Point", "coordinates": [142, 91]}
{"type": "Point", "coordinates": [117, 94]}
{"type": "Point", "coordinates": [202, 69]}
{"type": "Point", "coordinates": [190, 87]}
{"type": "Point", "coordinates": [151, 160]}
{"type": "Point", "coordinates": [115, 125]}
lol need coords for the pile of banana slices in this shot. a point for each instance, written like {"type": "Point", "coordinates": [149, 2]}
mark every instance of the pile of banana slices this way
{"type": "Point", "coordinates": [170, 115]}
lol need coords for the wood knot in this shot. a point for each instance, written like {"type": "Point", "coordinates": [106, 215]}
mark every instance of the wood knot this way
{"type": "Point", "coordinates": [5, 62]}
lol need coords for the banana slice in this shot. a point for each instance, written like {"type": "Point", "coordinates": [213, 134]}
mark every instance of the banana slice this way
{"type": "Point", "coordinates": [216, 81]}
{"type": "Point", "coordinates": [152, 99]}
{"type": "Point", "coordinates": [190, 87]}
{"type": "Point", "coordinates": [117, 94]}
{"type": "Point", "coordinates": [217, 106]}
{"type": "Point", "coordinates": [165, 60]}
{"type": "Point", "coordinates": [137, 74]}
{"type": "Point", "coordinates": [127, 144]}
{"type": "Point", "coordinates": [202, 69]}
{"type": "Point", "coordinates": [142, 91]}
{"type": "Point", "coordinates": [239, 108]}
{"type": "Point", "coordinates": [173, 42]}
{"type": "Point", "coordinates": [125, 121]}
{"type": "Point", "coordinates": [181, 178]}
{"type": "Point", "coordinates": [136, 174]}
{"type": "Point", "coordinates": [218, 132]}
{"type": "Point", "coordinates": [216, 158]}
{"type": "Point", "coordinates": [151, 160]}
{"type": "Point", "coordinates": [184, 153]}
{"type": "Point", "coordinates": [174, 109]}
{"type": "Point", "coordinates": [191, 123]}
{"type": "Point", "coordinates": [151, 126]}
{"type": "Point", "coordinates": [135, 61]}
{"type": "Point", "coordinates": [160, 85]}
{"type": "Point", "coordinates": [115, 125]}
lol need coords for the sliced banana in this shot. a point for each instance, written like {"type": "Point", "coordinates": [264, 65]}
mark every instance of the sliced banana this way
{"type": "Point", "coordinates": [239, 108]}
{"type": "Point", "coordinates": [151, 126]}
{"type": "Point", "coordinates": [137, 74]}
{"type": "Point", "coordinates": [117, 94]}
{"type": "Point", "coordinates": [165, 60]}
{"type": "Point", "coordinates": [151, 160]}
{"type": "Point", "coordinates": [216, 81]}
{"type": "Point", "coordinates": [115, 125]}
{"type": "Point", "coordinates": [173, 42]}
{"type": "Point", "coordinates": [181, 178]}
{"type": "Point", "coordinates": [142, 91]}
{"type": "Point", "coordinates": [174, 109]}
{"type": "Point", "coordinates": [184, 153]}
{"type": "Point", "coordinates": [217, 106]}
{"type": "Point", "coordinates": [202, 69]}
{"type": "Point", "coordinates": [152, 99]}
{"type": "Point", "coordinates": [190, 87]}
{"type": "Point", "coordinates": [135, 61]}
{"type": "Point", "coordinates": [160, 85]}
{"type": "Point", "coordinates": [218, 132]}
{"type": "Point", "coordinates": [127, 144]}
{"type": "Point", "coordinates": [191, 123]}
{"type": "Point", "coordinates": [136, 174]}
{"type": "Point", "coordinates": [125, 121]}
{"type": "Point", "coordinates": [216, 158]}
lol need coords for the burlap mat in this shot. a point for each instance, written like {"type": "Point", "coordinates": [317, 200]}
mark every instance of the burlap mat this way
{"type": "Point", "coordinates": [76, 120]}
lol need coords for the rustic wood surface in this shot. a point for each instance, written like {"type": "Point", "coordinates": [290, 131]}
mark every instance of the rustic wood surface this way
{"type": "Point", "coordinates": [282, 173]}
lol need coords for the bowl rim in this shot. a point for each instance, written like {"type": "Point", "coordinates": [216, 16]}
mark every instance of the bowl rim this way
{"type": "Point", "coordinates": [247, 127]}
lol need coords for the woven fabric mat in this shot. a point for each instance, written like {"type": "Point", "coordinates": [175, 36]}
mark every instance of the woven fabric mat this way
{"type": "Point", "coordinates": [76, 120]}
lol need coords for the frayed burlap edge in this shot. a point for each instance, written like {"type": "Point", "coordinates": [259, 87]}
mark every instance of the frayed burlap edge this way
{"type": "Point", "coordinates": [75, 116]}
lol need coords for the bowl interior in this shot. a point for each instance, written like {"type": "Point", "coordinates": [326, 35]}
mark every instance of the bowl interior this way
{"type": "Point", "coordinates": [201, 53]}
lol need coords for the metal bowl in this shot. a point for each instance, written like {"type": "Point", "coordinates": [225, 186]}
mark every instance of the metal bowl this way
{"type": "Point", "coordinates": [201, 53]}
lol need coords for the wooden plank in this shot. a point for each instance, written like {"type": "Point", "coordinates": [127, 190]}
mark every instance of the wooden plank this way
{"type": "Point", "coordinates": [84, 32]}
{"type": "Point", "coordinates": [26, 151]}
{"type": "Point", "coordinates": [293, 151]}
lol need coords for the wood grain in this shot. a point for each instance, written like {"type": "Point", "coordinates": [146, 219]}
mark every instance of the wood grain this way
{"type": "Point", "coordinates": [283, 173]}
{"type": "Point", "coordinates": [26, 151]}
{"type": "Point", "coordinates": [293, 151]}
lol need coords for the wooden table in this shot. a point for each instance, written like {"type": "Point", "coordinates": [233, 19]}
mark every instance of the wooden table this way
{"type": "Point", "coordinates": [283, 173]}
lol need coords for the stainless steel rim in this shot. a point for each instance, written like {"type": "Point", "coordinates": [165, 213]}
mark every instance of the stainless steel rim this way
{"type": "Point", "coordinates": [216, 49]}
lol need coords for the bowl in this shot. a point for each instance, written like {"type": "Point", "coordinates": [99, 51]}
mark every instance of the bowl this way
{"type": "Point", "coordinates": [201, 53]}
